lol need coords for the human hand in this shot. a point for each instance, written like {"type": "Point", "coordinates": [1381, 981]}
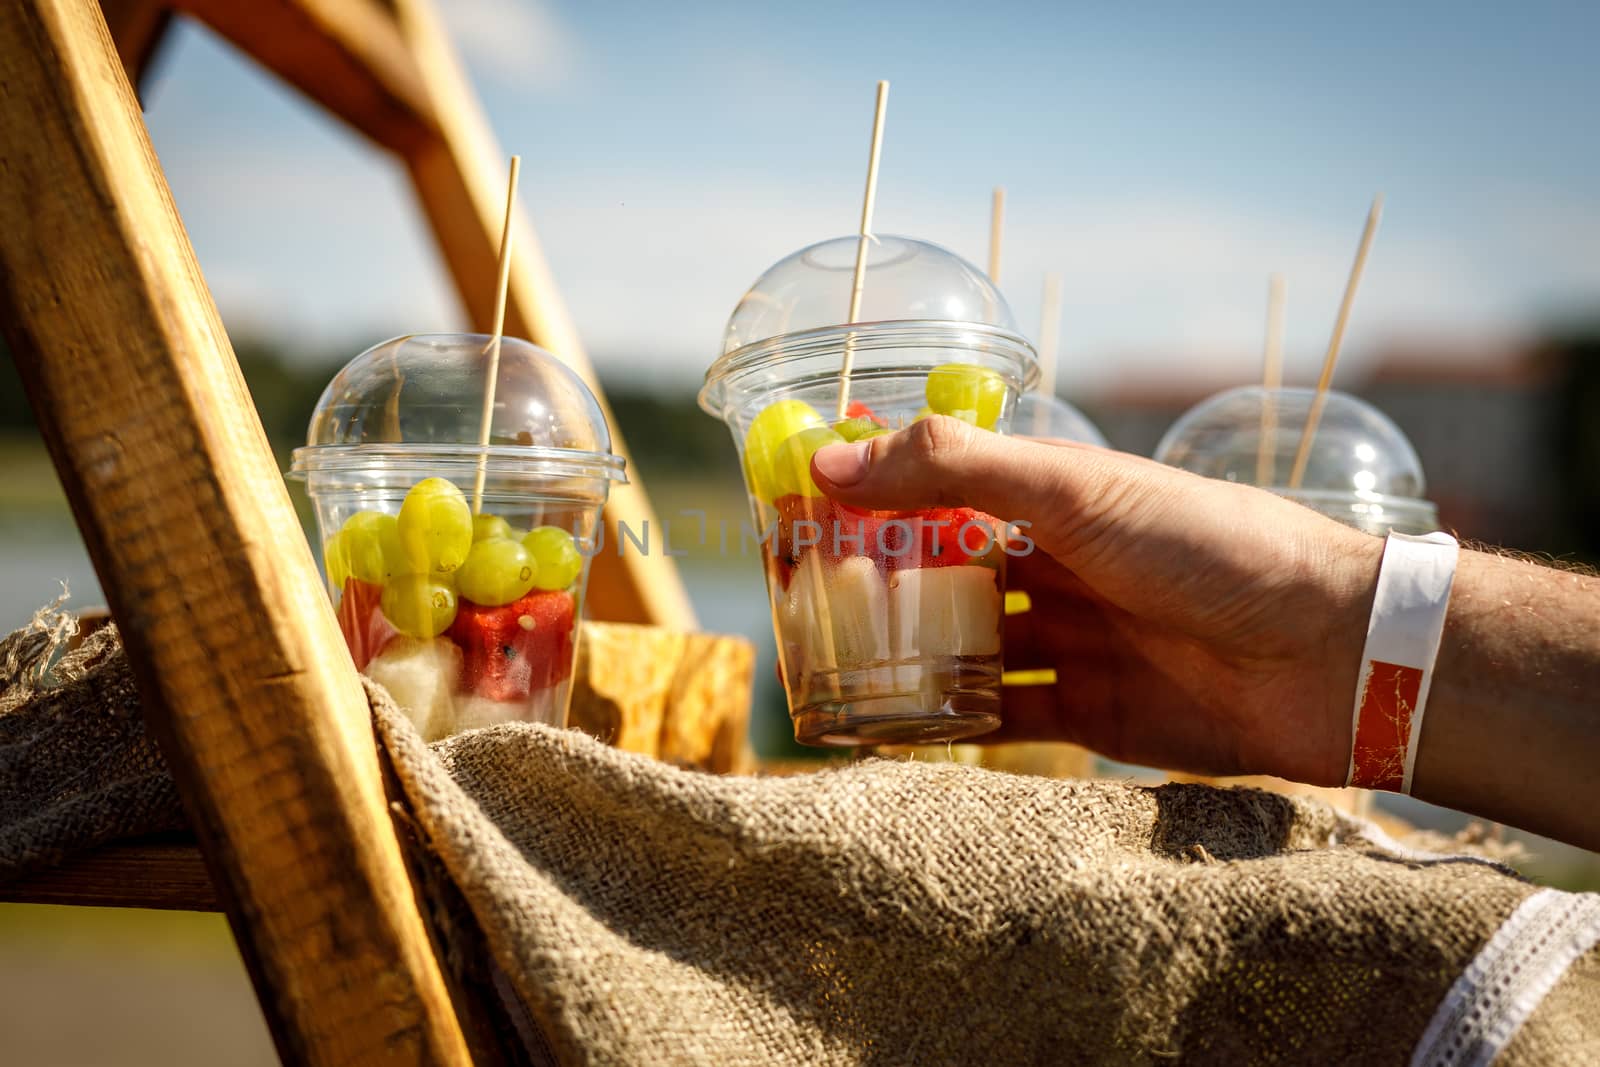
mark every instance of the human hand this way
{"type": "Point", "coordinates": [1193, 624]}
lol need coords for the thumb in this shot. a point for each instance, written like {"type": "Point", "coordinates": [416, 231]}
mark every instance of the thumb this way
{"type": "Point", "coordinates": [941, 461]}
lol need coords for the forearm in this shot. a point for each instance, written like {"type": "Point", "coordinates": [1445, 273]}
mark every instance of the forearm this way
{"type": "Point", "coordinates": [1512, 728]}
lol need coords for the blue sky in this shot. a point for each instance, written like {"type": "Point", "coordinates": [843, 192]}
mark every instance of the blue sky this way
{"type": "Point", "coordinates": [1165, 158]}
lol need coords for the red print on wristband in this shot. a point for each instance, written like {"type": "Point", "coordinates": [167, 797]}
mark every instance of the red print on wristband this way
{"type": "Point", "coordinates": [1383, 726]}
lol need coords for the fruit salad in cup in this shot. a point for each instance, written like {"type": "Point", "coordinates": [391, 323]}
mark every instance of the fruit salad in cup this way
{"type": "Point", "coordinates": [465, 619]}
{"type": "Point", "coordinates": [888, 622]}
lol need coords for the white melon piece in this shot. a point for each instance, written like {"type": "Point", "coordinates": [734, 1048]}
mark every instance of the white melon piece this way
{"type": "Point", "coordinates": [421, 676]}
{"type": "Point", "coordinates": [474, 712]}
{"type": "Point", "coordinates": [944, 611]}
{"type": "Point", "coordinates": [857, 610]}
{"type": "Point", "coordinates": [808, 647]}
{"type": "Point", "coordinates": [799, 618]}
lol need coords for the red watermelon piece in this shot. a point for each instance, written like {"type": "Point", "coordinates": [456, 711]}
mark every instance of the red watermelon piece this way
{"type": "Point", "coordinates": [858, 410]}
{"type": "Point", "coordinates": [840, 530]}
{"type": "Point", "coordinates": [510, 651]}
{"type": "Point", "coordinates": [365, 629]}
{"type": "Point", "coordinates": [936, 539]}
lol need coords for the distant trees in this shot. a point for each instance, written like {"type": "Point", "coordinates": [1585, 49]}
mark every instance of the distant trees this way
{"type": "Point", "coordinates": [666, 432]}
{"type": "Point", "coordinates": [1575, 439]}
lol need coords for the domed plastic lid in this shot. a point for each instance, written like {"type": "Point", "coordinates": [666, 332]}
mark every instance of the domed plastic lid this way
{"type": "Point", "coordinates": [421, 397]}
{"type": "Point", "coordinates": [919, 302]}
{"type": "Point", "coordinates": [906, 280]}
{"type": "Point", "coordinates": [1040, 415]}
{"type": "Point", "coordinates": [1361, 469]}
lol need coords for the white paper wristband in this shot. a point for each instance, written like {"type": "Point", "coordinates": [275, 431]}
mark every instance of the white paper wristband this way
{"type": "Point", "coordinates": [1403, 634]}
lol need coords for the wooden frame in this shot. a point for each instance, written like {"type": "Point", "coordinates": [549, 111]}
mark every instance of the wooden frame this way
{"type": "Point", "coordinates": [238, 659]}
{"type": "Point", "coordinates": [242, 674]}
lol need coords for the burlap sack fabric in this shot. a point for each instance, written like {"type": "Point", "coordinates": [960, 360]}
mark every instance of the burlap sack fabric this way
{"type": "Point", "coordinates": [76, 767]}
{"type": "Point", "coordinates": [612, 909]}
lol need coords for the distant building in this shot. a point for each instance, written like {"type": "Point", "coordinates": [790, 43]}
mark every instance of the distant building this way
{"type": "Point", "coordinates": [1481, 422]}
{"type": "Point", "coordinates": [1483, 431]}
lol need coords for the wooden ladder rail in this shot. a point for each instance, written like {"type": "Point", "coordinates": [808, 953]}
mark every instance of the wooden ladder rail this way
{"type": "Point", "coordinates": [239, 662]}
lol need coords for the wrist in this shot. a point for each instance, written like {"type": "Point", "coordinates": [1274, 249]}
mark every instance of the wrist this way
{"type": "Point", "coordinates": [1350, 583]}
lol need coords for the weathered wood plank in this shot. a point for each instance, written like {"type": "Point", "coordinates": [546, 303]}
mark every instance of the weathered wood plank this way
{"type": "Point", "coordinates": [460, 181]}
{"type": "Point", "coordinates": [347, 55]}
{"type": "Point", "coordinates": [242, 673]}
{"type": "Point", "coordinates": [138, 27]}
{"type": "Point", "coordinates": [621, 684]}
{"type": "Point", "coordinates": [683, 698]}
{"type": "Point", "coordinates": [707, 724]}
{"type": "Point", "coordinates": [170, 875]}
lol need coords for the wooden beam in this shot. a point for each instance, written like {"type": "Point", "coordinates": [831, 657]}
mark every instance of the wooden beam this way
{"type": "Point", "coordinates": [136, 874]}
{"type": "Point", "coordinates": [347, 55]}
{"type": "Point", "coordinates": [460, 181]}
{"type": "Point", "coordinates": [138, 27]}
{"type": "Point", "coordinates": [242, 674]}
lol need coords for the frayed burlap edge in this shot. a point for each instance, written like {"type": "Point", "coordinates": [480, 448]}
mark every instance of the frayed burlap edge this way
{"type": "Point", "coordinates": [77, 768]}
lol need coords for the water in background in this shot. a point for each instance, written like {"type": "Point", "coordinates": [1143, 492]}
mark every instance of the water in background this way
{"type": "Point", "coordinates": [38, 555]}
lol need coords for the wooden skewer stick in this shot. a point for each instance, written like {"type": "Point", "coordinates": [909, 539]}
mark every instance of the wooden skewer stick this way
{"type": "Point", "coordinates": [865, 235]}
{"type": "Point", "coordinates": [493, 373]}
{"type": "Point", "coordinates": [1271, 382]}
{"type": "Point", "coordinates": [997, 225]}
{"type": "Point", "coordinates": [1303, 453]}
{"type": "Point", "coordinates": [1049, 336]}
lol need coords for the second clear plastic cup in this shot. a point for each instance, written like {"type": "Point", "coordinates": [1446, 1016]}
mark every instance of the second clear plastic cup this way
{"type": "Point", "coordinates": [457, 570]}
{"type": "Point", "coordinates": [1360, 470]}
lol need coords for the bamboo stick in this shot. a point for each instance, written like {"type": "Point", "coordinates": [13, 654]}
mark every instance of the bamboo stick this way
{"type": "Point", "coordinates": [492, 374]}
{"type": "Point", "coordinates": [858, 279]}
{"type": "Point", "coordinates": [1303, 453]}
{"type": "Point", "coordinates": [997, 225]}
{"type": "Point", "coordinates": [1271, 382]}
{"type": "Point", "coordinates": [1049, 335]}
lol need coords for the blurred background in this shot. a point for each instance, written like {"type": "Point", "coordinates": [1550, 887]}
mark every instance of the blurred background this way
{"type": "Point", "coordinates": [1163, 158]}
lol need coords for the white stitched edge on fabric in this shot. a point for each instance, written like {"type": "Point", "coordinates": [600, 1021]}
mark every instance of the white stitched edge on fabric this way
{"type": "Point", "coordinates": [1375, 836]}
{"type": "Point", "coordinates": [1505, 982]}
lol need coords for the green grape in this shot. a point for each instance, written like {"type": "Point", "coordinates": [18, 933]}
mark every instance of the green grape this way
{"type": "Point", "coordinates": [336, 558]}
{"type": "Point", "coordinates": [557, 561]}
{"type": "Point", "coordinates": [770, 429]}
{"type": "Point", "coordinates": [419, 605]}
{"type": "Point", "coordinates": [496, 572]}
{"type": "Point", "coordinates": [856, 429]}
{"type": "Point", "coordinates": [372, 546]}
{"type": "Point", "coordinates": [876, 431]}
{"type": "Point", "coordinates": [971, 393]}
{"type": "Point", "coordinates": [435, 527]}
{"type": "Point", "coordinates": [792, 465]}
{"type": "Point", "coordinates": [491, 528]}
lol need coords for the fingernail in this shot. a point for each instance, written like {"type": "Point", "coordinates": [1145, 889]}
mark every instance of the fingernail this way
{"type": "Point", "coordinates": [843, 464]}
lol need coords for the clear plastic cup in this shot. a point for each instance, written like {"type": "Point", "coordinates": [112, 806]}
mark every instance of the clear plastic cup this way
{"type": "Point", "coordinates": [457, 571]}
{"type": "Point", "coordinates": [1361, 469]}
{"type": "Point", "coordinates": [1041, 415]}
{"type": "Point", "coordinates": [888, 624]}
